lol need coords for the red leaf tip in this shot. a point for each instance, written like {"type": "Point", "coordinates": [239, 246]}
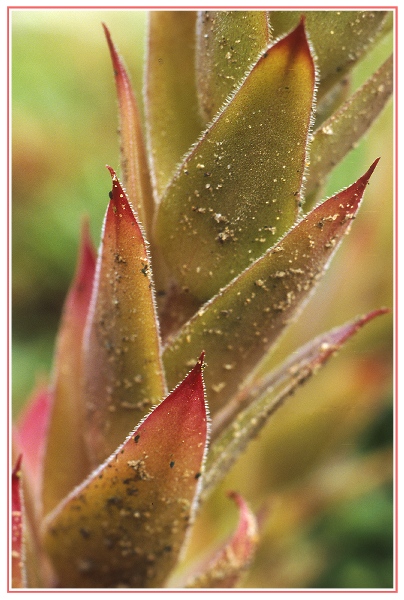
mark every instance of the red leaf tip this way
{"type": "Point", "coordinates": [298, 35]}
{"type": "Point", "coordinates": [201, 360]}
{"type": "Point", "coordinates": [17, 468]}
{"type": "Point", "coordinates": [106, 30]}
{"type": "Point", "coordinates": [372, 167]}
{"type": "Point", "coordinates": [112, 172]}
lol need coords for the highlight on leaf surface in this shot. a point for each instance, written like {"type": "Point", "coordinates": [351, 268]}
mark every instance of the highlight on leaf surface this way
{"type": "Point", "coordinates": [268, 295]}
{"type": "Point", "coordinates": [125, 525]}
{"type": "Point", "coordinates": [122, 369]}
{"type": "Point", "coordinates": [237, 190]}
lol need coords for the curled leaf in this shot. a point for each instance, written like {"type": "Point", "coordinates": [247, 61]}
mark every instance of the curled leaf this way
{"type": "Point", "coordinates": [242, 419]}
{"type": "Point", "coordinates": [65, 459]}
{"type": "Point", "coordinates": [136, 177]}
{"type": "Point", "coordinates": [226, 568]}
{"type": "Point", "coordinates": [239, 325]}
{"type": "Point", "coordinates": [17, 551]}
{"type": "Point", "coordinates": [125, 526]}
{"type": "Point", "coordinates": [224, 54]}
{"type": "Point", "coordinates": [122, 368]}
{"type": "Point", "coordinates": [238, 189]}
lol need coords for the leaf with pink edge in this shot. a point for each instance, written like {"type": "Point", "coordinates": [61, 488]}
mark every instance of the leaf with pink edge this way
{"type": "Point", "coordinates": [29, 436]}
{"type": "Point", "coordinates": [136, 178]}
{"type": "Point", "coordinates": [65, 460]}
{"type": "Point", "coordinates": [243, 322]}
{"type": "Point", "coordinates": [125, 525]}
{"type": "Point", "coordinates": [249, 411]}
{"type": "Point", "coordinates": [17, 550]}
{"type": "Point", "coordinates": [226, 568]}
{"type": "Point", "coordinates": [122, 371]}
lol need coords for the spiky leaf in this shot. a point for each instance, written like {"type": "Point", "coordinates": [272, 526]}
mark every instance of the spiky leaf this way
{"type": "Point", "coordinates": [238, 326]}
{"type": "Point", "coordinates": [241, 421]}
{"type": "Point", "coordinates": [237, 190]}
{"type": "Point", "coordinates": [65, 460]}
{"type": "Point", "coordinates": [228, 43]}
{"type": "Point", "coordinates": [122, 370]}
{"type": "Point", "coordinates": [124, 527]}
{"type": "Point", "coordinates": [136, 178]}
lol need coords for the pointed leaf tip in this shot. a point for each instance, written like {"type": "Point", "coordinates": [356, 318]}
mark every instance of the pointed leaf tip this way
{"type": "Point", "coordinates": [227, 205]}
{"type": "Point", "coordinates": [135, 170]}
{"type": "Point", "coordinates": [126, 524]}
{"type": "Point", "coordinates": [268, 294]}
{"type": "Point", "coordinates": [297, 39]}
{"type": "Point", "coordinates": [123, 376]}
{"type": "Point", "coordinates": [372, 167]}
{"type": "Point", "coordinates": [119, 203]}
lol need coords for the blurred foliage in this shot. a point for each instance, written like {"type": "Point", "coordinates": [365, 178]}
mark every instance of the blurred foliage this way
{"type": "Point", "coordinates": [64, 123]}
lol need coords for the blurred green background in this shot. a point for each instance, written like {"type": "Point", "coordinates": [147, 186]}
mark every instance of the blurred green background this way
{"type": "Point", "coordinates": [64, 130]}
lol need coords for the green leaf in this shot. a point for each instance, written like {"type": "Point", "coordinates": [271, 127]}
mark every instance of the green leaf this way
{"type": "Point", "coordinates": [172, 115]}
{"type": "Point", "coordinates": [339, 38]}
{"type": "Point", "coordinates": [136, 178]}
{"type": "Point", "coordinates": [227, 566]}
{"type": "Point", "coordinates": [237, 190]}
{"type": "Point", "coordinates": [122, 369]}
{"type": "Point", "coordinates": [239, 325]}
{"type": "Point", "coordinates": [125, 526]}
{"type": "Point", "coordinates": [228, 43]}
{"type": "Point", "coordinates": [338, 134]}
{"type": "Point", "coordinates": [241, 421]}
{"type": "Point", "coordinates": [332, 101]}
{"type": "Point", "coordinates": [65, 461]}
{"type": "Point", "coordinates": [17, 558]}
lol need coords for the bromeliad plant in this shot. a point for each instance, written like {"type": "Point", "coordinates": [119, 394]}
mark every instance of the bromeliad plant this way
{"type": "Point", "coordinates": [210, 247]}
